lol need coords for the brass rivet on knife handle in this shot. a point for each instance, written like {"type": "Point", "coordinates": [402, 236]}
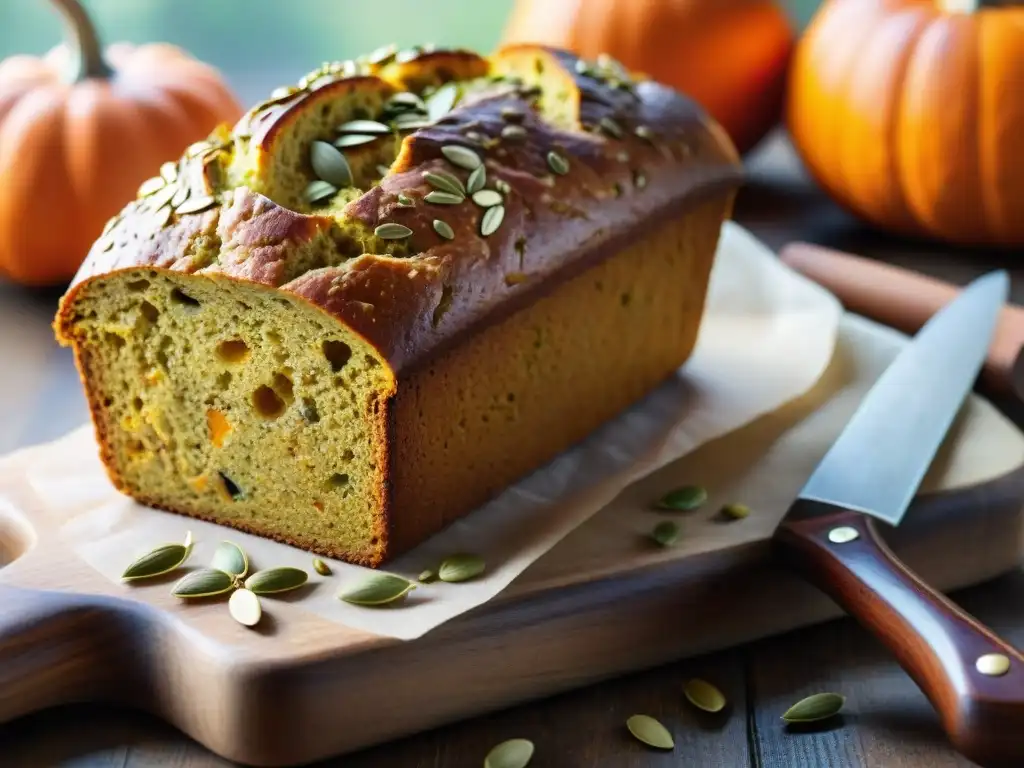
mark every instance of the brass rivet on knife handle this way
{"type": "Point", "coordinates": [993, 664]}
{"type": "Point", "coordinates": [842, 534]}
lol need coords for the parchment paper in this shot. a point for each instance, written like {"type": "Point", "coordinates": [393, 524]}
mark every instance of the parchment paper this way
{"type": "Point", "coordinates": [767, 336]}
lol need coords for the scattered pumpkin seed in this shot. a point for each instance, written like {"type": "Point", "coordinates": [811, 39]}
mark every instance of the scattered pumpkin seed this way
{"type": "Point", "coordinates": [244, 607]}
{"type": "Point", "coordinates": [161, 560]}
{"type": "Point", "coordinates": [639, 180]}
{"type": "Point", "coordinates": [318, 190]}
{"type": "Point", "coordinates": [463, 157]}
{"type": "Point", "coordinates": [513, 133]}
{"type": "Point", "coordinates": [476, 180]}
{"type": "Point", "coordinates": [666, 533]}
{"type": "Point", "coordinates": [205, 582]}
{"type": "Point", "coordinates": [444, 182]}
{"type": "Point", "coordinates": [407, 100]}
{"type": "Point", "coordinates": [410, 122]}
{"type": "Point", "coordinates": [354, 140]}
{"type": "Point", "coordinates": [487, 198]}
{"type": "Point", "coordinates": [383, 170]}
{"type": "Point", "coordinates": [330, 164]}
{"type": "Point", "coordinates": [442, 101]}
{"type": "Point", "coordinates": [392, 231]}
{"type": "Point", "coordinates": [197, 148]}
{"type": "Point", "coordinates": [611, 127]}
{"type": "Point", "coordinates": [819, 706]}
{"type": "Point", "coordinates": [622, 156]}
{"type": "Point", "coordinates": [650, 732]}
{"type": "Point", "coordinates": [230, 558]}
{"type": "Point", "coordinates": [273, 580]}
{"type": "Point", "coordinates": [321, 567]}
{"type": "Point", "coordinates": [703, 695]}
{"type": "Point", "coordinates": [169, 171]}
{"type": "Point", "coordinates": [582, 67]}
{"type": "Point", "coordinates": [364, 127]}
{"type": "Point", "coordinates": [735, 511]}
{"type": "Point", "coordinates": [684, 499]}
{"type": "Point", "coordinates": [443, 229]}
{"type": "Point", "coordinates": [426, 576]}
{"type": "Point", "coordinates": [557, 163]}
{"type": "Point", "coordinates": [162, 216]}
{"type": "Point", "coordinates": [644, 133]}
{"type": "Point", "coordinates": [474, 136]}
{"type": "Point", "coordinates": [404, 200]}
{"type": "Point", "coordinates": [461, 567]}
{"type": "Point", "coordinates": [512, 114]}
{"type": "Point", "coordinates": [377, 588]}
{"type": "Point", "coordinates": [189, 543]}
{"type": "Point", "coordinates": [492, 220]}
{"type": "Point", "coordinates": [502, 186]}
{"type": "Point", "coordinates": [162, 197]}
{"type": "Point", "coordinates": [437, 197]}
{"type": "Point", "coordinates": [196, 205]}
{"type": "Point", "coordinates": [180, 197]}
{"type": "Point", "coordinates": [513, 753]}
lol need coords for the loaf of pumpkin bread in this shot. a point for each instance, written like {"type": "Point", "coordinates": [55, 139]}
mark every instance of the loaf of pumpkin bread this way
{"type": "Point", "coordinates": [392, 290]}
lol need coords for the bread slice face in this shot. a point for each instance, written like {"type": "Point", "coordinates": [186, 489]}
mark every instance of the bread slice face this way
{"type": "Point", "coordinates": [274, 339]}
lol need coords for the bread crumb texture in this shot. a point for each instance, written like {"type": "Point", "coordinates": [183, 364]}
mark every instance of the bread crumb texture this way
{"type": "Point", "coordinates": [394, 288]}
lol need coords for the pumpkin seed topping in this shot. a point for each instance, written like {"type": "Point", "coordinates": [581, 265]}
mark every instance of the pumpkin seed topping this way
{"type": "Point", "coordinates": [196, 204]}
{"type": "Point", "coordinates": [205, 582]}
{"type": "Point", "coordinates": [819, 706]}
{"type": "Point", "coordinates": [476, 180]}
{"type": "Point", "coordinates": [169, 171]}
{"type": "Point", "coordinates": [244, 607]}
{"type": "Point", "coordinates": [513, 132]}
{"type": "Point", "coordinates": [321, 567]}
{"type": "Point", "coordinates": [410, 122]}
{"type": "Point", "coordinates": [404, 200]}
{"type": "Point", "coordinates": [557, 163]}
{"type": "Point", "coordinates": [162, 216]}
{"type": "Point", "coordinates": [463, 157]}
{"type": "Point", "coordinates": [474, 136]}
{"type": "Point", "coordinates": [406, 100]}
{"type": "Point", "coordinates": [684, 499]}
{"type": "Point", "coordinates": [666, 533]}
{"type": "Point", "coordinates": [230, 558]}
{"type": "Point", "coordinates": [180, 196]}
{"type": "Point", "coordinates": [486, 198]}
{"type": "Point", "coordinates": [491, 220]}
{"type": "Point", "coordinates": [461, 567]}
{"type": "Point", "coordinates": [582, 67]}
{"type": "Point", "coordinates": [354, 140]}
{"type": "Point", "coordinates": [197, 148]}
{"type": "Point", "coordinates": [329, 164]}
{"type": "Point", "coordinates": [512, 114]}
{"type": "Point", "coordinates": [426, 576]}
{"type": "Point", "coordinates": [444, 182]}
{"type": "Point", "coordinates": [318, 190]}
{"type": "Point", "coordinates": [162, 196]}
{"type": "Point", "coordinates": [273, 580]}
{"type": "Point", "coordinates": [514, 753]}
{"type": "Point", "coordinates": [377, 588]}
{"type": "Point", "coordinates": [611, 127]}
{"type": "Point", "coordinates": [364, 127]}
{"type": "Point", "coordinates": [735, 511]}
{"type": "Point", "coordinates": [649, 731]}
{"type": "Point", "coordinates": [392, 231]}
{"type": "Point", "coordinates": [442, 101]}
{"type": "Point", "coordinates": [161, 560]}
{"type": "Point", "coordinates": [502, 186]}
{"type": "Point", "coordinates": [639, 180]}
{"type": "Point", "coordinates": [644, 133]}
{"type": "Point", "coordinates": [622, 156]}
{"type": "Point", "coordinates": [443, 198]}
{"type": "Point", "coordinates": [703, 695]}
{"type": "Point", "coordinates": [443, 229]}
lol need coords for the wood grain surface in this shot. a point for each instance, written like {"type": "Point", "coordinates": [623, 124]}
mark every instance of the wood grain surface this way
{"type": "Point", "coordinates": [887, 721]}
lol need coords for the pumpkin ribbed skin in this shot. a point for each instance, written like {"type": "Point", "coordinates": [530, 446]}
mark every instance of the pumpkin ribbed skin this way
{"type": "Point", "coordinates": [731, 56]}
{"type": "Point", "coordinates": [913, 117]}
{"type": "Point", "coordinates": [72, 154]}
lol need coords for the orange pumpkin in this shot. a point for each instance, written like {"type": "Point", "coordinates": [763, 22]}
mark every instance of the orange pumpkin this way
{"type": "Point", "coordinates": [731, 56]}
{"type": "Point", "coordinates": [911, 115]}
{"type": "Point", "coordinates": [80, 131]}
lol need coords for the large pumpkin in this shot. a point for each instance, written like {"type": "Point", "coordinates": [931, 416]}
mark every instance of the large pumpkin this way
{"type": "Point", "coordinates": [729, 55]}
{"type": "Point", "coordinates": [80, 130]}
{"type": "Point", "coordinates": [911, 114]}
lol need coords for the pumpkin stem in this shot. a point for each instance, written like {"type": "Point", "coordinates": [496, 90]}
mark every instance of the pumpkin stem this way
{"type": "Point", "coordinates": [90, 63]}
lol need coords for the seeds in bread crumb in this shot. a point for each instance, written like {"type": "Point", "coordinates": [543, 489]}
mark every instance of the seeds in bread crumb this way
{"type": "Point", "coordinates": [330, 164]}
{"type": "Point", "coordinates": [444, 230]}
{"type": "Point", "coordinates": [392, 231]}
{"type": "Point", "coordinates": [318, 190]}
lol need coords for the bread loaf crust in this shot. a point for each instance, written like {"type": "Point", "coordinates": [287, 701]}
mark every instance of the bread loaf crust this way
{"type": "Point", "coordinates": [554, 225]}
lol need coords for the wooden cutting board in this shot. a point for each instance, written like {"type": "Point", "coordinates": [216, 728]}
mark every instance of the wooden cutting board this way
{"type": "Point", "coordinates": [602, 602]}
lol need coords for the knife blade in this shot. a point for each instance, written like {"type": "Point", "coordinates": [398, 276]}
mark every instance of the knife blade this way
{"type": "Point", "coordinates": [974, 679]}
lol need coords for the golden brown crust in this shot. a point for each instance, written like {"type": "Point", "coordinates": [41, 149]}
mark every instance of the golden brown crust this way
{"type": "Point", "coordinates": [412, 308]}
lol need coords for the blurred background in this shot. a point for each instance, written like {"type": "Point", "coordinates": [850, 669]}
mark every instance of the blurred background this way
{"type": "Point", "coordinates": [258, 44]}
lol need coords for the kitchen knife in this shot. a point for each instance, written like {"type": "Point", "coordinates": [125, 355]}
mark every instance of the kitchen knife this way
{"type": "Point", "coordinates": [905, 299]}
{"type": "Point", "coordinates": [973, 679]}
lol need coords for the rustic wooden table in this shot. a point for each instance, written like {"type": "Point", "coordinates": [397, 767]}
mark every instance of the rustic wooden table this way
{"type": "Point", "coordinates": [887, 721]}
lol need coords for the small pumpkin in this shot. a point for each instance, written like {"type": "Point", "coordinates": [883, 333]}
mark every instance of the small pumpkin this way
{"type": "Point", "coordinates": [910, 113]}
{"type": "Point", "coordinates": [731, 56]}
{"type": "Point", "coordinates": [80, 129]}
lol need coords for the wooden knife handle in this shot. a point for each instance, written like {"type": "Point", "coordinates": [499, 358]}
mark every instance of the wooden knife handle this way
{"type": "Point", "coordinates": [904, 300]}
{"type": "Point", "coordinates": [937, 643]}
